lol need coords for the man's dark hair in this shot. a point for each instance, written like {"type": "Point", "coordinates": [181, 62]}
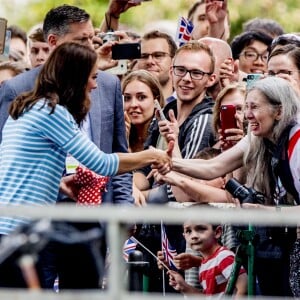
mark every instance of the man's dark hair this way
{"type": "Point", "coordinates": [58, 19]}
{"type": "Point", "coordinates": [243, 40]}
{"type": "Point", "coordinates": [156, 34]}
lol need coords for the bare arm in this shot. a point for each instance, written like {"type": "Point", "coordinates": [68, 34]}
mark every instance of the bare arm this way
{"type": "Point", "coordinates": [131, 161]}
{"type": "Point", "coordinates": [216, 12]}
{"type": "Point", "coordinates": [224, 163]}
{"type": "Point", "coordinates": [114, 10]}
{"type": "Point", "coordinates": [200, 192]}
{"type": "Point", "coordinates": [241, 286]}
{"type": "Point", "coordinates": [68, 187]}
{"type": "Point", "coordinates": [189, 189]}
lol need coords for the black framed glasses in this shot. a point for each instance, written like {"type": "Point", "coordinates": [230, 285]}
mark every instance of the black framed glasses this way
{"type": "Point", "coordinates": [195, 74]}
{"type": "Point", "coordinates": [253, 56]}
{"type": "Point", "coordinates": [157, 56]}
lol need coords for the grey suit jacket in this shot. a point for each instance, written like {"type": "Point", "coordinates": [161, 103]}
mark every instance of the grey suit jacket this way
{"type": "Point", "coordinates": [106, 121]}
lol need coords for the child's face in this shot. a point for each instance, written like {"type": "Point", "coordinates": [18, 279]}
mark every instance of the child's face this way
{"type": "Point", "coordinates": [201, 237]}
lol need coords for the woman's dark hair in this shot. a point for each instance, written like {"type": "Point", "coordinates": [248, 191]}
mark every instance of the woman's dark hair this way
{"type": "Point", "coordinates": [285, 39]}
{"type": "Point", "coordinates": [62, 80]}
{"type": "Point", "coordinates": [245, 39]}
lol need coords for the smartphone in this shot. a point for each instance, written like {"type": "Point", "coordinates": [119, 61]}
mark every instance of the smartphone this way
{"type": "Point", "coordinates": [126, 51]}
{"type": "Point", "coordinates": [251, 79]}
{"type": "Point", "coordinates": [3, 24]}
{"type": "Point", "coordinates": [228, 120]}
{"type": "Point", "coordinates": [159, 109]}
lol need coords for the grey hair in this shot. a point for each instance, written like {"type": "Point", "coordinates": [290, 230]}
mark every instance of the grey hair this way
{"type": "Point", "coordinates": [280, 95]}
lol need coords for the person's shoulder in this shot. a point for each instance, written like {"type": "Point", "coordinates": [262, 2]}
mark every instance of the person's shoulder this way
{"type": "Point", "coordinates": [24, 81]}
{"type": "Point", "coordinates": [106, 77]}
{"type": "Point", "coordinates": [224, 252]}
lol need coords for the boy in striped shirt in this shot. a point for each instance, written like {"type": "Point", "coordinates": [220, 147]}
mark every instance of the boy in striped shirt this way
{"type": "Point", "coordinates": [216, 265]}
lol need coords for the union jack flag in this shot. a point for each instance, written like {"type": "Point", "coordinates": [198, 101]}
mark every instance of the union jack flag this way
{"type": "Point", "coordinates": [128, 247]}
{"type": "Point", "coordinates": [168, 251]}
{"type": "Point", "coordinates": [184, 31]}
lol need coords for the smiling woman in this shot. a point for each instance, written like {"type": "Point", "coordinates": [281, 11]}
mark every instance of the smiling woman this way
{"type": "Point", "coordinates": [271, 154]}
{"type": "Point", "coordinates": [140, 89]}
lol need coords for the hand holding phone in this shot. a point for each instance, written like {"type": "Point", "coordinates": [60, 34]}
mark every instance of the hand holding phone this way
{"type": "Point", "coordinates": [251, 79]}
{"type": "Point", "coordinates": [3, 23]}
{"type": "Point", "coordinates": [159, 109]}
{"type": "Point", "coordinates": [228, 121]}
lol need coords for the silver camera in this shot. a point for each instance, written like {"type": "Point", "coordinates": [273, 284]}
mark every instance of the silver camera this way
{"type": "Point", "coordinates": [108, 36]}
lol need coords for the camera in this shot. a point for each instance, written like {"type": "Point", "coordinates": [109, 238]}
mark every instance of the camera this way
{"type": "Point", "coordinates": [108, 36]}
{"type": "Point", "coordinates": [243, 193]}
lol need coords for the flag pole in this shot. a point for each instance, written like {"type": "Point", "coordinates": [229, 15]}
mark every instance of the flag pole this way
{"type": "Point", "coordinates": [149, 251]}
{"type": "Point", "coordinates": [163, 270]}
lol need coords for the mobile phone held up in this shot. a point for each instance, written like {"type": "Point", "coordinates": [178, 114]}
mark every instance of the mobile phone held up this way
{"type": "Point", "coordinates": [159, 109]}
{"type": "Point", "coordinates": [126, 51]}
{"type": "Point", "coordinates": [3, 23]}
{"type": "Point", "coordinates": [251, 79]}
{"type": "Point", "coordinates": [228, 121]}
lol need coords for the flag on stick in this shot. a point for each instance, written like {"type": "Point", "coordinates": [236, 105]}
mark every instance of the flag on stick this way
{"type": "Point", "coordinates": [129, 246]}
{"type": "Point", "coordinates": [184, 31]}
{"type": "Point", "coordinates": [168, 251]}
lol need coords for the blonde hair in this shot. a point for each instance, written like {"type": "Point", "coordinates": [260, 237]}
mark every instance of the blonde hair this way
{"type": "Point", "coordinates": [237, 86]}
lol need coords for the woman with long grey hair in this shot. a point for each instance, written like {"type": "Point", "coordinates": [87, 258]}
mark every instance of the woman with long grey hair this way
{"type": "Point", "coordinates": [271, 154]}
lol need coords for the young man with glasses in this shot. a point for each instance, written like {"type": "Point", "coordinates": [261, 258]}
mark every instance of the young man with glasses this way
{"type": "Point", "coordinates": [157, 51]}
{"type": "Point", "coordinates": [251, 48]}
{"type": "Point", "coordinates": [191, 73]}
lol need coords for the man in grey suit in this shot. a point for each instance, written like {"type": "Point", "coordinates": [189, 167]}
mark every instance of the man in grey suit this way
{"type": "Point", "coordinates": [105, 126]}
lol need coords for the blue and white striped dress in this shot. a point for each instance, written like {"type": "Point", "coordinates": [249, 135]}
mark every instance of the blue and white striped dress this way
{"type": "Point", "coordinates": [32, 158]}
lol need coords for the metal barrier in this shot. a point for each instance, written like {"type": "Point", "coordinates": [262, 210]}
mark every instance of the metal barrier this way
{"type": "Point", "coordinates": [116, 217]}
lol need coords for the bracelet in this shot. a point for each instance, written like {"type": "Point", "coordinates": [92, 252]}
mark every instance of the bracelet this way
{"type": "Point", "coordinates": [108, 22]}
{"type": "Point", "coordinates": [114, 16]}
{"type": "Point", "coordinates": [222, 35]}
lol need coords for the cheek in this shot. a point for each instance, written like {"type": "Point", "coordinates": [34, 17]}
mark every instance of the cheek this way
{"type": "Point", "coordinates": [126, 105]}
{"type": "Point", "coordinates": [148, 111]}
{"type": "Point", "coordinates": [92, 83]}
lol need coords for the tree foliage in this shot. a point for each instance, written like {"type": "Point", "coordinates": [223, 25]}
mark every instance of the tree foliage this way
{"type": "Point", "coordinates": [285, 12]}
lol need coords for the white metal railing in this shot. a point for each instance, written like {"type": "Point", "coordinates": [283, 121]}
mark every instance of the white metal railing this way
{"type": "Point", "coordinates": [116, 217]}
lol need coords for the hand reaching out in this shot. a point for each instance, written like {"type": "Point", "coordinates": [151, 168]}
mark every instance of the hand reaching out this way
{"type": "Point", "coordinates": [233, 136]}
{"type": "Point", "coordinates": [117, 7]}
{"type": "Point", "coordinates": [184, 261]}
{"type": "Point", "coordinates": [170, 131]}
{"type": "Point", "coordinates": [164, 163]}
{"type": "Point", "coordinates": [68, 186]}
{"type": "Point", "coordinates": [216, 11]}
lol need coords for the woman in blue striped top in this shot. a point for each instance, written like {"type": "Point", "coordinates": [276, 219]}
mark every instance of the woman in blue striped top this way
{"type": "Point", "coordinates": [43, 127]}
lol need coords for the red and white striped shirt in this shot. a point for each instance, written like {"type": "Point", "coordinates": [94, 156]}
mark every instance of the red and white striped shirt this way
{"type": "Point", "coordinates": [215, 271]}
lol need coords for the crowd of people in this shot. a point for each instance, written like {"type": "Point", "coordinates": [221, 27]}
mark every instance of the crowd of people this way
{"type": "Point", "coordinates": [62, 110]}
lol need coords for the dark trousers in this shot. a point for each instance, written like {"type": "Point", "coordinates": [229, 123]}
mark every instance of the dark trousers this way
{"type": "Point", "coordinates": [78, 265]}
